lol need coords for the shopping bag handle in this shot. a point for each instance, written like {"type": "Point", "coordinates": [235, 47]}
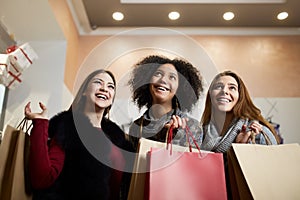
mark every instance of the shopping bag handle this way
{"type": "Point", "coordinates": [169, 137]}
{"type": "Point", "coordinates": [188, 135]}
{"type": "Point", "coordinates": [252, 137]}
{"type": "Point", "coordinates": [23, 125]}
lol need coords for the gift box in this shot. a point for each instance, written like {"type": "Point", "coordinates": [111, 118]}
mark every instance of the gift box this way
{"type": "Point", "coordinates": [13, 79]}
{"type": "Point", "coordinates": [22, 57]}
{"type": "Point", "coordinates": [4, 62]}
{"type": "Point", "coordinates": [14, 63]}
{"type": "Point", "coordinates": [10, 76]}
{"type": "Point", "coordinates": [4, 59]}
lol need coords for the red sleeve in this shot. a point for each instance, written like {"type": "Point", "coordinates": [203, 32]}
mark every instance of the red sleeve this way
{"type": "Point", "coordinates": [45, 162]}
{"type": "Point", "coordinates": [118, 163]}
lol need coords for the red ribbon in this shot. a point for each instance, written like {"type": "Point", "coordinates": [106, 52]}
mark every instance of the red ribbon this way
{"type": "Point", "coordinates": [16, 77]}
{"type": "Point", "coordinates": [11, 49]}
{"type": "Point", "coordinates": [26, 55]}
{"type": "Point", "coordinates": [5, 65]}
{"type": "Point", "coordinates": [14, 67]}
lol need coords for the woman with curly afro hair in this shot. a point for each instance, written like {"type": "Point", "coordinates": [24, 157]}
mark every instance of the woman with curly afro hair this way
{"type": "Point", "coordinates": [168, 88]}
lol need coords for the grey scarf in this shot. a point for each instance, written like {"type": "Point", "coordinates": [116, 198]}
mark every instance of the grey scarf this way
{"type": "Point", "coordinates": [152, 126]}
{"type": "Point", "coordinates": [214, 142]}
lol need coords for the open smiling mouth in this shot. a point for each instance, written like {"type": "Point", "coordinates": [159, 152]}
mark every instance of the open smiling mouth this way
{"type": "Point", "coordinates": [161, 88]}
{"type": "Point", "coordinates": [224, 100]}
{"type": "Point", "coordinates": [101, 96]}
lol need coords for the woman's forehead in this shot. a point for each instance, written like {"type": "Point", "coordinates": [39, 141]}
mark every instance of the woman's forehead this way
{"type": "Point", "coordinates": [104, 76]}
{"type": "Point", "coordinates": [226, 79]}
{"type": "Point", "coordinates": [168, 68]}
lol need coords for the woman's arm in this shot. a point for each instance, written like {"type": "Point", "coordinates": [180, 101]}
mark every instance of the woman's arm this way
{"type": "Point", "coordinates": [45, 162]}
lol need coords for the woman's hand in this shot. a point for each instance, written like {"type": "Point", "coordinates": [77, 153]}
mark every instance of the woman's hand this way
{"type": "Point", "coordinates": [29, 115]}
{"type": "Point", "coordinates": [245, 136]}
{"type": "Point", "coordinates": [177, 122]}
{"type": "Point", "coordinates": [256, 127]}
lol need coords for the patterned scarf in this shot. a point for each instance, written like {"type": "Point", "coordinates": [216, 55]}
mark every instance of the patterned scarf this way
{"type": "Point", "coordinates": [214, 142]}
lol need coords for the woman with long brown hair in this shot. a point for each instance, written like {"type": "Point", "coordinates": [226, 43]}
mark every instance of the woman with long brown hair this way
{"type": "Point", "coordinates": [230, 116]}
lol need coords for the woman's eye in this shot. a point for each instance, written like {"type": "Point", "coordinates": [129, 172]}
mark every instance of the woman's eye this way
{"type": "Point", "coordinates": [111, 87]}
{"type": "Point", "coordinates": [218, 86]}
{"type": "Point", "coordinates": [98, 82]}
{"type": "Point", "coordinates": [173, 77]}
{"type": "Point", "coordinates": [157, 74]}
{"type": "Point", "coordinates": [233, 88]}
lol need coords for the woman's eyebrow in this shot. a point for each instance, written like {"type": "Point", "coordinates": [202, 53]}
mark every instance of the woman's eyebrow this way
{"type": "Point", "coordinates": [100, 79]}
{"type": "Point", "coordinates": [97, 79]}
{"type": "Point", "coordinates": [173, 73]}
{"type": "Point", "coordinates": [233, 84]}
{"type": "Point", "coordinates": [218, 83]}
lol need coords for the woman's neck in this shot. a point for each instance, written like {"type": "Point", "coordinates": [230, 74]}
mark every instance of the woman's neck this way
{"type": "Point", "coordinates": [158, 110]}
{"type": "Point", "coordinates": [95, 117]}
{"type": "Point", "coordinates": [222, 121]}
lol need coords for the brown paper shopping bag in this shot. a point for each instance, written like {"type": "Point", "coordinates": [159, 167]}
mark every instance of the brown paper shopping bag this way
{"type": "Point", "coordinates": [264, 171]}
{"type": "Point", "coordinates": [137, 184]}
{"type": "Point", "coordinates": [14, 149]}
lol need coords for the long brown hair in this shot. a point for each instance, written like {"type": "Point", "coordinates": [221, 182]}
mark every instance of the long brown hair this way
{"type": "Point", "coordinates": [244, 107]}
{"type": "Point", "coordinates": [78, 103]}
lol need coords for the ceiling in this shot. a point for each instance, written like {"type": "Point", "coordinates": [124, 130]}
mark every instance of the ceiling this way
{"type": "Point", "coordinates": [43, 24]}
{"type": "Point", "coordinates": [37, 21]}
{"type": "Point", "coordinates": [93, 15]}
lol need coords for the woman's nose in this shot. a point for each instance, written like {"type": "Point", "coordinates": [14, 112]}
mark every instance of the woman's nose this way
{"type": "Point", "coordinates": [163, 79]}
{"type": "Point", "coordinates": [103, 88]}
{"type": "Point", "coordinates": [225, 90]}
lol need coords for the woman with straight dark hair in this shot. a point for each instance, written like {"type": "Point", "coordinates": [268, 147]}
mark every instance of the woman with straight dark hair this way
{"type": "Point", "coordinates": [83, 158]}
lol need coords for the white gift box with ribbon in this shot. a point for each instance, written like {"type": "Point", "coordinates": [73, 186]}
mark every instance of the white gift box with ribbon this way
{"type": "Point", "coordinates": [4, 62]}
{"type": "Point", "coordinates": [9, 73]}
{"type": "Point", "coordinates": [23, 56]}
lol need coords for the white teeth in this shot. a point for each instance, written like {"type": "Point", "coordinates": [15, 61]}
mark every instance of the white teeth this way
{"type": "Point", "coordinates": [224, 100]}
{"type": "Point", "coordinates": [162, 88]}
{"type": "Point", "coordinates": [101, 96]}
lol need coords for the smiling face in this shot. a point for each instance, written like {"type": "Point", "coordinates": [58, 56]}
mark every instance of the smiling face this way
{"type": "Point", "coordinates": [164, 84]}
{"type": "Point", "coordinates": [224, 94]}
{"type": "Point", "coordinates": [100, 92]}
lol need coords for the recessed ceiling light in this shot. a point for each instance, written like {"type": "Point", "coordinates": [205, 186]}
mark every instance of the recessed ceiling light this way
{"type": "Point", "coordinates": [228, 16]}
{"type": "Point", "coordinates": [118, 16]}
{"type": "Point", "coordinates": [282, 15]}
{"type": "Point", "coordinates": [174, 15]}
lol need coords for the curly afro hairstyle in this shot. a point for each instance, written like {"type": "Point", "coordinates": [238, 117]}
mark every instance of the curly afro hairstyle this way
{"type": "Point", "coordinates": [190, 85]}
